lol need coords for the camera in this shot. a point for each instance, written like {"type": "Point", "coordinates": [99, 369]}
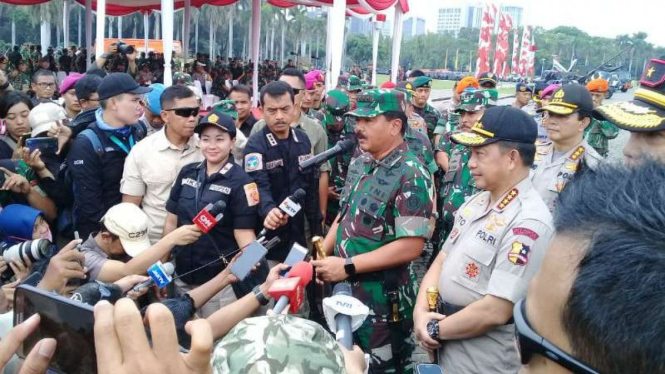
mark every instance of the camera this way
{"type": "Point", "coordinates": [33, 250]}
{"type": "Point", "coordinates": [125, 48]}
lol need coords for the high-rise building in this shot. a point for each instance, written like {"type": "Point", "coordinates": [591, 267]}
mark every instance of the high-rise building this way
{"type": "Point", "coordinates": [413, 26]}
{"type": "Point", "coordinates": [453, 18]}
{"type": "Point", "coordinates": [360, 26]}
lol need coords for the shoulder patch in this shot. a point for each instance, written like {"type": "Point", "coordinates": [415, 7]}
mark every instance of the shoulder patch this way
{"type": "Point", "coordinates": [523, 231]}
{"type": "Point", "coordinates": [253, 162]}
{"type": "Point", "coordinates": [519, 253]}
{"type": "Point", "coordinates": [252, 194]}
{"type": "Point", "coordinates": [578, 152]}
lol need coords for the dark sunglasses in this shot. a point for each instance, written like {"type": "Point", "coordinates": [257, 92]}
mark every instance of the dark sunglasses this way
{"type": "Point", "coordinates": [530, 342]}
{"type": "Point", "coordinates": [185, 112]}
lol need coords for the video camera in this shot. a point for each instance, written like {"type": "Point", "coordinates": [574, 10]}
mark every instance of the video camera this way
{"type": "Point", "coordinates": [125, 48]}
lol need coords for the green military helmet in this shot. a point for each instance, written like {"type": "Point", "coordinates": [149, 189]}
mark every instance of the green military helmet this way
{"type": "Point", "coordinates": [277, 345]}
{"type": "Point", "coordinates": [473, 100]}
{"type": "Point", "coordinates": [227, 107]}
{"type": "Point", "coordinates": [422, 82]}
{"type": "Point", "coordinates": [354, 84]}
{"type": "Point", "coordinates": [182, 78]}
{"type": "Point", "coordinates": [372, 103]}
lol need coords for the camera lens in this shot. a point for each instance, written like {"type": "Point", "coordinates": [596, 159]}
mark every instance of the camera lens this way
{"type": "Point", "coordinates": [33, 250]}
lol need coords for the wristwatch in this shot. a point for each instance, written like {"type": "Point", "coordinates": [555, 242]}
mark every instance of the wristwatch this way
{"type": "Point", "coordinates": [260, 296]}
{"type": "Point", "coordinates": [349, 267]}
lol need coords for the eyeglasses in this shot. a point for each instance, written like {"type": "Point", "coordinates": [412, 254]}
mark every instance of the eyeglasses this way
{"type": "Point", "coordinates": [185, 112]}
{"type": "Point", "coordinates": [46, 85]}
{"type": "Point", "coordinates": [529, 342]}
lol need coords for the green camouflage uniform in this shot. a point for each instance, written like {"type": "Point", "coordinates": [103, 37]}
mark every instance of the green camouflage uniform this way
{"type": "Point", "coordinates": [21, 168]}
{"type": "Point", "coordinates": [431, 115]}
{"type": "Point", "coordinates": [227, 107]}
{"type": "Point", "coordinates": [599, 134]}
{"type": "Point", "coordinates": [316, 114]}
{"type": "Point", "coordinates": [457, 183]}
{"type": "Point", "coordinates": [384, 201]}
{"type": "Point", "coordinates": [277, 345]}
{"type": "Point", "coordinates": [21, 82]}
{"type": "Point", "coordinates": [182, 79]}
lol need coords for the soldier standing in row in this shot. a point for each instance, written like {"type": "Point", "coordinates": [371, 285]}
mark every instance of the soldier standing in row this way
{"type": "Point", "coordinates": [599, 133]}
{"type": "Point", "coordinates": [382, 226]}
{"type": "Point", "coordinates": [423, 88]}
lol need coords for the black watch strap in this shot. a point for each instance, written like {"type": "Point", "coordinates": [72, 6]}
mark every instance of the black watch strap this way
{"type": "Point", "coordinates": [349, 267]}
{"type": "Point", "coordinates": [260, 296]}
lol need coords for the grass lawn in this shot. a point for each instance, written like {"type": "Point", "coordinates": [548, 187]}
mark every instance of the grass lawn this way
{"type": "Point", "coordinates": [504, 88]}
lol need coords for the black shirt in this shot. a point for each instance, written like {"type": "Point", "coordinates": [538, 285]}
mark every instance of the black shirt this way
{"type": "Point", "coordinates": [191, 192]}
{"type": "Point", "coordinates": [246, 127]}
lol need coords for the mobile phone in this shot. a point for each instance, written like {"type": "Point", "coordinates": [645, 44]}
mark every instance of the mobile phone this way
{"type": "Point", "coordinates": [250, 256]}
{"type": "Point", "coordinates": [23, 138]}
{"type": "Point", "coordinates": [46, 145]}
{"type": "Point", "coordinates": [428, 369]}
{"type": "Point", "coordinates": [298, 253]}
{"type": "Point", "coordinates": [67, 321]}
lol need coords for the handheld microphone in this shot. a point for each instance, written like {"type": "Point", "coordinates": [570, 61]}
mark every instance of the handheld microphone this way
{"type": "Point", "coordinates": [291, 290]}
{"type": "Point", "coordinates": [160, 274]}
{"type": "Point", "coordinates": [344, 313]}
{"type": "Point", "coordinates": [209, 216]}
{"type": "Point", "coordinates": [289, 206]}
{"type": "Point", "coordinates": [340, 147]}
{"type": "Point", "coordinates": [92, 292]}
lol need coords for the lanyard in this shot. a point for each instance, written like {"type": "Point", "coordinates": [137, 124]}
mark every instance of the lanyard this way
{"type": "Point", "coordinates": [120, 144]}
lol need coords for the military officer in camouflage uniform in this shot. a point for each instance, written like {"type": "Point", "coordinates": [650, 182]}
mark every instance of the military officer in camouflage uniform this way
{"type": "Point", "coordinates": [338, 127]}
{"type": "Point", "coordinates": [19, 77]}
{"type": "Point", "coordinates": [353, 88]}
{"type": "Point", "coordinates": [382, 226]}
{"type": "Point", "coordinates": [422, 87]}
{"type": "Point", "coordinates": [599, 133]}
{"type": "Point", "coordinates": [458, 183]}
{"type": "Point", "coordinates": [568, 115]}
{"type": "Point", "coordinates": [497, 245]}
{"type": "Point", "coordinates": [182, 79]}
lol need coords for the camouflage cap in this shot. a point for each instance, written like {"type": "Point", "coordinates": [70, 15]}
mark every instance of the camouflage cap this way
{"type": "Point", "coordinates": [354, 84]}
{"type": "Point", "coordinates": [473, 100]}
{"type": "Point", "coordinates": [422, 82]}
{"type": "Point", "coordinates": [228, 107]}
{"type": "Point", "coordinates": [372, 103]}
{"type": "Point", "coordinates": [277, 345]}
{"type": "Point", "coordinates": [337, 101]}
{"type": "Point", "coordinates": [343, 81]}
{"type": "Point", "coordinates": [184, 78]}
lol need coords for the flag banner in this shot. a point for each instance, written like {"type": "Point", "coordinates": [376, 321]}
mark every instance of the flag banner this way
{"type": "Point", "coordinates": [485, 40]}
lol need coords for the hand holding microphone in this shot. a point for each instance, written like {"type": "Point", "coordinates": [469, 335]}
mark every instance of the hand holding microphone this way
{"type": "Point", "coordinates": [279, 216]}
{"type": "Point", "coordinates": [160, 275]}
{"type": "Point", "coordinates": [291, 291]}
{"type": "Point", "coordinates": [344, 314]}
{"type": "Point", "coordinates": [209, 216]}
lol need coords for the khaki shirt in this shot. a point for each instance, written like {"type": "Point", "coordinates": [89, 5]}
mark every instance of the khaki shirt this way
{"type": "Point", "coordinates": [492, 250]}
{"type": "Point", "coordinates": [315, 132]}
{"type": "Point", "coordinates": [550, 175]}
{"type": "Point", "coordinates": [150, 170]}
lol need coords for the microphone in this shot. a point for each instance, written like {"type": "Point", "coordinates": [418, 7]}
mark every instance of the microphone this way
{"type": "Point", "coordinates": [344, 314]}
{"type": "Point", "coordinates": [340, 147]}
{"type": "Point", "coordinates": [209, 216]}
{"type": "Point", "coordinates": [291, 290]}
{"type": "Point", "coordinates": [289, 206]}
{"type": "Point", "coordinates": [92, 292]}
{"type": "Point", "coordinates": [160, 274]}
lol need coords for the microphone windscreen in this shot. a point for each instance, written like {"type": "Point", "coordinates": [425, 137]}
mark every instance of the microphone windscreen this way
{"type": "Point", "coordinates": [218, 208]}
{"type": "Point", "coordinates": [342, 288]}
{"type": "Point", "coordinates": [299, 194]}
{"type": "Point", "coordinates": [168, 267]}
{"type": "Point", "coordinates": [88, 293]}
{"type": "Point", "coordinates": [303, 270]}
{"type": "Point", "coordinates": [347, 144]}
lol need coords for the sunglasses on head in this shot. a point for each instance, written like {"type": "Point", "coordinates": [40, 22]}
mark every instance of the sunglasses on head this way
{"type": "Point", "coordinates": [529, 342]}
{"type": "Point", "coordinates": [184, 112]}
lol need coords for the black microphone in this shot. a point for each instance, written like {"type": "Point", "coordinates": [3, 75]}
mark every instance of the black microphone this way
{"type": "Point", "coordinates": [91, 293]}
{"type": "Point", "coordinates": [340, 147]}
{"type": "Point", "coordinates": [209, 216]}
{"type": "Point", "coordinates": [343, 321]}
{"type": "Point", "coordinates": [289, 206]}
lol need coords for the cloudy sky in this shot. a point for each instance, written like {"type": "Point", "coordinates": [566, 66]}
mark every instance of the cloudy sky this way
{"type": "Point", "coordinates": [607, 18]}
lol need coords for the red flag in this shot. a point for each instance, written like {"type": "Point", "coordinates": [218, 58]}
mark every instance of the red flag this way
{"type": "Point", "coordinates": [514, 67]}
{"type": "Point", "coordinates": [485, 40]}
{"type": "Point", "coordinates": [524, 52]}
{"type": "Point", "coordinates": [501, 50]}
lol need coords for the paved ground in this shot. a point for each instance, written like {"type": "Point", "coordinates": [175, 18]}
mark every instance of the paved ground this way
{"type": "Point", "coordinates": [616, 146]}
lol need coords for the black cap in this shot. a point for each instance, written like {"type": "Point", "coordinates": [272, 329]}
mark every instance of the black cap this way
{"type": "Point", "coordinates": [219, 119]}
{"type": "Point", "coordinates": [499, 123]}
{"type": "Point", "coordinates": [523, 87]}
{"type": "Point", "coordinates": [116, 84]}
{"type": "Point", "coordinates": [569, 99]}
{"type": "Point", "coordinates": [646, 112]}
{"type": "Point", "coordinates": [487, 78]}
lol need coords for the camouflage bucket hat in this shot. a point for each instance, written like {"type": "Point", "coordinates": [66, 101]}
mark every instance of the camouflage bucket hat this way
{"type": "Point", "coordinates": [354, 84]}
{"type": "Point", "coordinates": [473, 101]}
{"type": "Point", "coordinates": [185, 78]}
{"type": "Point", "coordinates": [375, 102]}
{"type": "Point", "coordinates": [277, 345]}
{"type": "Point", "coordinates": [227, 107]}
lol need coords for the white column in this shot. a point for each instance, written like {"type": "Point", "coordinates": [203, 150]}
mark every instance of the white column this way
{"type": "Point", "coordinates": [185, 32]}
{"type": "Point", "coordinates": [110, 33]}
{"type": "Point", "coordinates": [158, 18]}
{"type": "Point", "coordinates": [146, 31]}
{"type": "Point", "coordinates": [88, 32]}
{"type": "Point", "coordinates": [229, 45]}
{"type": "Point", "coordinates": [397, 41]}
{"type": "Point", "coordinates": [338, 15]}
{"type": "Point", "coordinates": [167, 39]}
{"type": "Point", "coordinates": [196, 33]}
{"type": "Point", "coordinates": [79, 28]}
{"type": "Point", "coordinates": [211, 37]}
{"type": "Point", "coordinates": [330, 84]}
{"type": "Point", "coordinates": [376, 32]}
{"type": "Point", "coordinates": [281, 49]}
{"type": "Point", "coordinates": [44, 39]}
{"type": "Point", "coordinates": [101, 18]}
{"type": "Point", "coordinates": [13, 29]}
{"type": "Point", "coordinates": [65, 23]}
{"type": "Point", "coordinates": [256, 36]}
{"type": "Point", "coordinates": [120, 27]}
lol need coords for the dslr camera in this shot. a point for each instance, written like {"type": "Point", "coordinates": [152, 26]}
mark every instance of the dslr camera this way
{"type": "Point", "coordinates": [33, 250]}
{"type": "Point", "coordinates": [125, 48]}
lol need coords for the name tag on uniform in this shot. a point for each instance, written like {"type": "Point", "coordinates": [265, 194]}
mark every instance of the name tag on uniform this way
{"type": "Point", "coordinates": [190, 182]}
{"type": "Point", "coordinates": [275, 163]}
{"type": "Point", "coordinates": [222, 189]}
{"type": "Point", "coordinates": [304, 158]}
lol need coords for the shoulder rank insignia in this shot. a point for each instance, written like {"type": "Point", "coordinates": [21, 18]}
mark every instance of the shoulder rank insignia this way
{"type": "Point", "coordinates": [510, 196]}
{"type": "Point", "coordinates": [578, 152]}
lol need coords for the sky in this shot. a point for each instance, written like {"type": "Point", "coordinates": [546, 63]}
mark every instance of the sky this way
{"type": "Point", "coordinates": [607, 18]}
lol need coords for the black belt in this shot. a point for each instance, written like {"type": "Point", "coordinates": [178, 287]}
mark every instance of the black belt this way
{"type": "Point", "coordinates": [450, 309]}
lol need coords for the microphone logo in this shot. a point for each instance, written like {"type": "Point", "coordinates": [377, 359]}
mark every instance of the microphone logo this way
{"type": "Point", "coordinates": [205, 221]}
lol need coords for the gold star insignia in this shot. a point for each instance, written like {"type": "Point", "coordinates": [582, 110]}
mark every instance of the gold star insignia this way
{"type": "Point", "coordinates": [650, 71]}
